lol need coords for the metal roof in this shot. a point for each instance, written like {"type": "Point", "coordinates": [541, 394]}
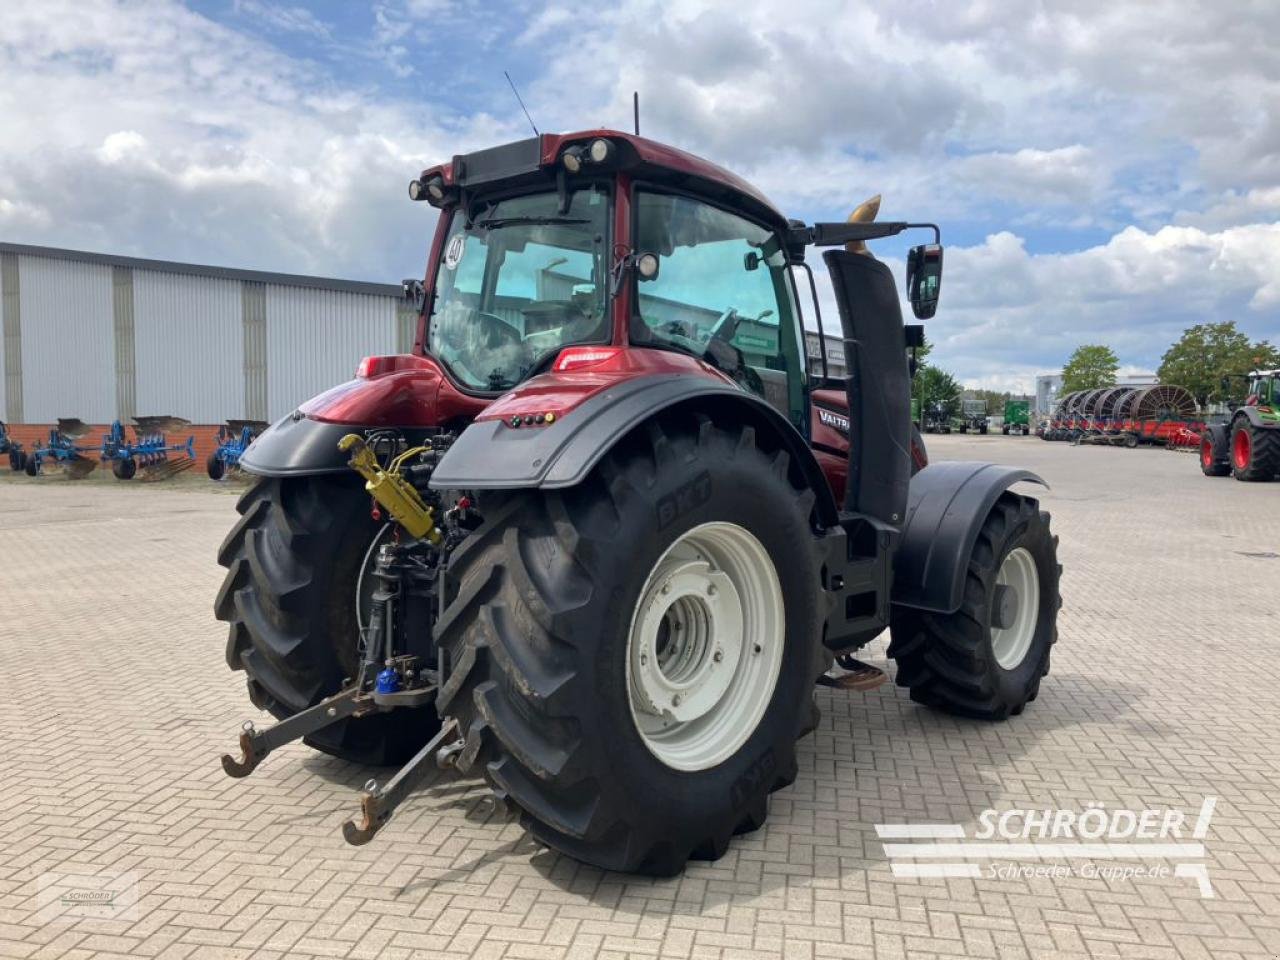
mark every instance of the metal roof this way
{"type": "Point", "coordinates": [201, 270]}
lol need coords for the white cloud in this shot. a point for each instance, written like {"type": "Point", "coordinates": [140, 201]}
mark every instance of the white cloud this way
{"type": "Point", "coordinates": [1152, 127]}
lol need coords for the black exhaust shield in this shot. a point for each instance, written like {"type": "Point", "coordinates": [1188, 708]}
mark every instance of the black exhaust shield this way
{"type": "Point", "coordinates": [878, 386]}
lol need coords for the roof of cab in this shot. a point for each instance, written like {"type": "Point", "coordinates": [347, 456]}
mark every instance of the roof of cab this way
{"type": "Point", "coordinates": [645, 158]}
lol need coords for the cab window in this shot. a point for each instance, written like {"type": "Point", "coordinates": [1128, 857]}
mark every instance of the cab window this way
{"type": "Point", "coordinates": [723, 293]}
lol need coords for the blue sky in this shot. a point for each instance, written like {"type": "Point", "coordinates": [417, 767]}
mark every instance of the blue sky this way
{"type": "Point", "coordinates": [1102, 172]}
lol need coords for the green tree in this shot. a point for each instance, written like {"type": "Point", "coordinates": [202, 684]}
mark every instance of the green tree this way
{"type": "Point", "coordinates": [937, 388]}
{"type": "Point", "coordinates": [1207, 352]}
{"type": "Point", "coordinates": [1093, 365]}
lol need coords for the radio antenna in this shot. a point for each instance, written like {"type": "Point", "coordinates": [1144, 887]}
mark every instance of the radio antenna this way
{"type": "Point", "coordinates": [520, 101]}
{"type": "Point", "coordinates": [635, 109]}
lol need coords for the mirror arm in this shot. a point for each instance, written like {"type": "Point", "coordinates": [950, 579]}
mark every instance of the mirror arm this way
{"type": "Point", "coordinates": [834, 234]}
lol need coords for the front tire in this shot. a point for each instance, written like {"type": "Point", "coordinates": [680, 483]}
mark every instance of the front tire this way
{"type": "Point", "coordinates": [1255, 451]}
{"type": "Point", "coordinates": [543, 652]}
{"type": "Point", "coordinates": [215, 466]}
{"type": "Point", "coordinates": [293, 562]}
{"type": "Point", "coordinates": [986, 659]}
{"type": "Point", "coordinates": [1210, 465]}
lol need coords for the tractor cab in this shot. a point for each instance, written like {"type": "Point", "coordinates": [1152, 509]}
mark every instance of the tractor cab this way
{"type": "Point", "coordinates": [566, 253]}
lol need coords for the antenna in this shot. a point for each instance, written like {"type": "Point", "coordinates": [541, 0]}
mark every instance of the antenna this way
{"type": "Point", "coordinates": [635, 108]}
{"type": "Point", "coordinates": [520, 101]}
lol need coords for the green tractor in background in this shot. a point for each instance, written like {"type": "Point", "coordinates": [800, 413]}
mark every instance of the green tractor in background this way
{"type": "Point", "coordinates": [1017, 417]}
{"type": "Point", "coordinates": [1247, 445]}
{"type": "Point", "coordinates": [973, 416]}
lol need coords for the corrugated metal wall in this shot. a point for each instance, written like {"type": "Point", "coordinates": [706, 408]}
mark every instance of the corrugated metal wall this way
{"type": "Point", "coordinates": [315, 338]}
{"type": "Point", "coordinates": [107, 339]}
{"type": "Point", "coordinates": [188, 346]}
{"type": "Point", "coordinates": [68, 348]}
{"type": "Point", "coordinates": [10, 339]}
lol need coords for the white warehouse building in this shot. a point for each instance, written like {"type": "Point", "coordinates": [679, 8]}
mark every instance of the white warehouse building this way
{"type": "Point", "coordinates": [102, 337]}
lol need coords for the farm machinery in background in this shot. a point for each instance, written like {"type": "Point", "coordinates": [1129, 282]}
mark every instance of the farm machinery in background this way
{"type": "Point", "coordinates": [233, 439]}
{"type": "Point", "coordinates": [148, 449]}
{"type": "Point", "coordinates": [1162, 414]}
{"type": "Point", "coordinates": [12, 449]}
{"type": "Point", "coordinates": [1017, 417]}
{"type": "Point", "coordinates": [1247, 444]}
{"type": "Point", "coordinates": [973, 416]}
{"type": "Point", "coordinates": [61, 448]}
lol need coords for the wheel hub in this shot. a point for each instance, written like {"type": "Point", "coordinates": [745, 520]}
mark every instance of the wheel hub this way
{"type": "Point", "coordinates": [689, 640]}
{"type": "Point", "coordinates": [1015, 608]}
{"type": "Point", "coordinates": [705, 646]}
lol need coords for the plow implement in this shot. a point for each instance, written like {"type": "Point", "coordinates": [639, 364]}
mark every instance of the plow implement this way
{"type": "Point", "coordinates": [12, 449]}
{"type": "Point", "coordinates": [62, 449]}
{"type": "Point", "coordinates": [233, 439]}
{"type": "Point", "coordinates": [149, 453]}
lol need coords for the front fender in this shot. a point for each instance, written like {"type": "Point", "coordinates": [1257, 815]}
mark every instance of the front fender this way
{"type": "Point", "coordinates": [947, 504]}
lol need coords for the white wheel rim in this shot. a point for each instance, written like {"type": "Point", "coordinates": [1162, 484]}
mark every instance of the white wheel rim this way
{"type": "Point", "coordinates": [705, 646]}
{"type": "Point", "coordinates": [1017, 574]}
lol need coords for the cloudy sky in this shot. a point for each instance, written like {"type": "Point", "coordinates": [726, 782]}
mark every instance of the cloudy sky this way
{"type": "Point", "coordinates": [1103, 172]}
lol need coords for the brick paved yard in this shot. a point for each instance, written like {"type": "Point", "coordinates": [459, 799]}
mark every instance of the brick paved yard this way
{"type": "Point", "coordinates": [1164, 690]}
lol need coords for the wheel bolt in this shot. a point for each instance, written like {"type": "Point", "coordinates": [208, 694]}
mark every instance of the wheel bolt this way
{"type": "Point", "coordinates": [666, 588]}
{"type": "Point", "coordinates": [758, 648]}
{"type": "Point", "coordinates": [718, 656]}
{"type": "Point", "coordinates": [711, 590]}
{"type": "Point", "coordinates": [675, 701]}
{"type": "Point", "coordinates": [644, 659]}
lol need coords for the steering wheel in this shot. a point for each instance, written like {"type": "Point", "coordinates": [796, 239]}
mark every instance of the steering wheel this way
{"type": "Point", "coordinates": [496, 333]}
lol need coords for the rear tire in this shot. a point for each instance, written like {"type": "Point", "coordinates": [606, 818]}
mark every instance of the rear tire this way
{"type": "Point", "coordinates": [963, 662]}
{"type": "Point", "coordinates": [1255, 451]}
{"type": "Point", "coordinates": [541, 660]}
{"type": "Point", "coordinates": [293, 561]}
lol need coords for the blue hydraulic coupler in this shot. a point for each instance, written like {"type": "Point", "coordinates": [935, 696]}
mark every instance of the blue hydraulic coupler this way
{"type": "Point", "coordinates": [388, 681]}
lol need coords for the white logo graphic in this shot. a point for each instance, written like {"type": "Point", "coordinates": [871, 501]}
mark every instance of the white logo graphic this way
{"type": "Point", "coordinates": [1055, 835]}
{"type": "Point", "coordinates": [834, 420]}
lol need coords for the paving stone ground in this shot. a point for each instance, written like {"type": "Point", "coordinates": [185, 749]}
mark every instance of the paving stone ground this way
{"type": "Point", "coordinates": [118, 703]}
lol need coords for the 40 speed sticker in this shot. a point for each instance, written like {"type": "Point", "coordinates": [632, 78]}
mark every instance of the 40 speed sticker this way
{"type": "Point", "coordinates": [453, 252]}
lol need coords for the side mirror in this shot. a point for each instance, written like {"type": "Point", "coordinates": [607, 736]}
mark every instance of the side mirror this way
{"type": "Point", "coordinates": [924, 279]}
{"type": "Point", "coordinates": [915, 335]}
{"type": "Point", "coordinates": [412, 291]}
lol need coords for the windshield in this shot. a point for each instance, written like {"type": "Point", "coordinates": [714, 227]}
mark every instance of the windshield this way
{"type": "Point", "coordinates": [522, 280]}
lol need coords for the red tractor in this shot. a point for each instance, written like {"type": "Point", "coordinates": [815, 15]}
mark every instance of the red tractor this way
{"type": "Point", "coordinates": [610, 532]}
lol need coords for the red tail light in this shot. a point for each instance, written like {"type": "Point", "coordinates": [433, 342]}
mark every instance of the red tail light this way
{"type": "Point", "coordinates": [578, 358]}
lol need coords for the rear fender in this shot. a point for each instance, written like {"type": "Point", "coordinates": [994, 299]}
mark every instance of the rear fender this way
{"type": "Point", "coordinates": [498, 454]}
{"type": "Point", "coordinates": [405, 392]}
{"type": "Point", "coordinates": [946, 508]}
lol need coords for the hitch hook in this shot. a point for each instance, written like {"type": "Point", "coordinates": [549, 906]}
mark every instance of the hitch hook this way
{"type": "Point", "coordinates": [377, 803]}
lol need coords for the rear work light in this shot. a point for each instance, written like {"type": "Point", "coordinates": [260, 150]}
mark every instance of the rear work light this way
{"type": "Point", "coordinates": [578, 358]}
{"type": "Point", "coordinates": [372, 366]}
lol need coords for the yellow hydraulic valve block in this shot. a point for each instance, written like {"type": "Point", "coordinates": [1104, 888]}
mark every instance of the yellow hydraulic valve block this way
{"type": "Point", "coordinates": [391, 489]}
